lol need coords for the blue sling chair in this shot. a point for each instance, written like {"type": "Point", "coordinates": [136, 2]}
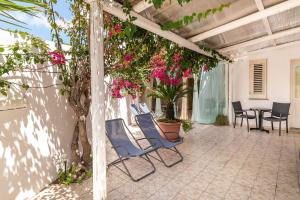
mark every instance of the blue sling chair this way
{"type": "Point", "coordinates": [125, 149]}
{"type": "Point", "coordinates": [135, 109]}
{"type": "Point", "coordinates": [148, 126]}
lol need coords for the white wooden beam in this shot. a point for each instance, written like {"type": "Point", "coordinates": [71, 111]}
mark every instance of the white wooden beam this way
{"type": "Point", "coordinates": [260, 6]}
{"type": "Point", "coordinates": [261, 39]}
{"type": "Point", "coordinates": [149, 25]}
{"type": "Point", "coordinates": [141, 6]}
{"type": "Point", "coordinates": [281, 7]}
{"type": "Point", "coordinates": [98, 100]}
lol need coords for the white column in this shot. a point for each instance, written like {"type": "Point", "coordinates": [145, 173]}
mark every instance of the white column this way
{"type": "Point", "coordinates": [184, 102]}
{"type": "Point", "coordinates": [98, 99]}
{"type": "Point", "coordinates": [195, 100]}
{"type": "Point", "coordinates": [158, 110]}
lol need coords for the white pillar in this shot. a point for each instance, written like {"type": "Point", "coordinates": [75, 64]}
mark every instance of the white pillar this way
{"type": "Point", "coordinates": [98, 99]}
{"type": "Point", "coordinates": [195, 111]}
{"type": "Point", "coordinates": [184, 102]}
{"type": "Point", "coordinates": [158, 110]}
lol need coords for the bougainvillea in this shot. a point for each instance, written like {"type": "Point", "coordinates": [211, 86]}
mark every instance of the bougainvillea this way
{"type": "Point", "coordinates": [57, 58]}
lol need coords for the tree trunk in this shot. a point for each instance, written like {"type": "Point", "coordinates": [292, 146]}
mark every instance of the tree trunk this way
{"type": "Point", "coordinates": [170, 111]}
{"type": "Point", "coordinates": [75, 157]}
{"type": "Point", "coordinates": [86, 147]}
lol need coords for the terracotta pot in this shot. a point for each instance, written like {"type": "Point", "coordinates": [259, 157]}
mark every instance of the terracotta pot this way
{"type": "Point", "coordinates": [172, 128]}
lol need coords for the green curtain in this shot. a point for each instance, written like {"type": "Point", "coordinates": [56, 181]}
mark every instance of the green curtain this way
{"type": "Point", "coordinates": [211, 94]}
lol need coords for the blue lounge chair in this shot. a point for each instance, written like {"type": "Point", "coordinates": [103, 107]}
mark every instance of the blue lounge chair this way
{"type": "Point", "coordinates": [135, 109]}
{"type": "Point", "coordinates": [125, 149]}
{"type": "Point", "coordinates": [148, 126]}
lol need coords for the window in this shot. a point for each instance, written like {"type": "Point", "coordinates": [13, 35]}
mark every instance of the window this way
{"type": "Point", "coordinates": [258, 79]}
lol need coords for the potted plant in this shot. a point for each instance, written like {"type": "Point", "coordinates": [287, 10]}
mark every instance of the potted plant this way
{"type": "Point", "coordinates": [170, 89]}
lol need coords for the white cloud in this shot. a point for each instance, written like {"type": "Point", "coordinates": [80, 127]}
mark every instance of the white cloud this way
{"type": "Point", "coordinates": [39, 21]}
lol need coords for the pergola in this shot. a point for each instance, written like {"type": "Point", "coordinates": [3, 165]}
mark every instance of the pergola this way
{"type": "Point", "coordinates": [246, 26]}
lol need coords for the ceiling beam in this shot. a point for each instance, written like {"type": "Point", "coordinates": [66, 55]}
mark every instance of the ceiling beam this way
{"type": "Point", "coordinates": [260, 6]}
{"type": "Point", "coordinates": [261, 39]}
{"type": "Point", "coordinates": [141, 6]}
{"type": "Point", "coordinates": [149, 25]}
{"type": "Point", "coordinates": [281, 7]}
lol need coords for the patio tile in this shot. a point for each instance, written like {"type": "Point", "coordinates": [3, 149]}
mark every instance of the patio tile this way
{"type": "Point", "coordinates": [234, 165]}
{"type": "Point", "coordinates": [208, 196]}
{"type": "Point", "coordinates": [238, 192]}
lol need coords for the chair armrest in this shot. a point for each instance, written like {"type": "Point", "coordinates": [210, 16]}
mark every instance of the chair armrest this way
{"type": "Point", "coordinates": [141, 139]}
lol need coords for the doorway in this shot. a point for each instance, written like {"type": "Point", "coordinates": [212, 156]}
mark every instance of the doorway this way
{"type": "Point", "coordinates": [295, 94]}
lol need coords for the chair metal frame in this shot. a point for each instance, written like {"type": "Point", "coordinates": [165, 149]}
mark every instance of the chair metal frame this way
{"type": "Point", "coordinates": [278, 117]}
{"type": "Point", "coordinates": [242, 114]}
{"type": "Point", "coordinates": [121, 159]}
{"type": "Point", "coordinates": [160, 158]}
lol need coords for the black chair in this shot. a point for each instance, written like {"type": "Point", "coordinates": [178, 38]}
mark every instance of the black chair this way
{"type": "Point", "coordinates": [240, 113]}
{"type": "Point", "coordinates": [279, 113]}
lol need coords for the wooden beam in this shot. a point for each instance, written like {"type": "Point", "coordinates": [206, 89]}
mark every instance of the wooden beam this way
{"type": "Point", "coordinates": [149, 25]}
{"type": "Point", "coordinates": [260, 6]}
{"type": "Point", "coordinates": [98, 100]}
{"type": "Point", "coordinates": [262, 39]}
{"type": "Point", "coordinates": [281, 7]}
{"type": "Point", "coordinates": [141, 6]}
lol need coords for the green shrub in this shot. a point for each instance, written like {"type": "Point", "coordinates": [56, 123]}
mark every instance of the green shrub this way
{"type": "Point", "coordinates": [221, 120]}
{"type": "Point", "coordinates": [187, 125]}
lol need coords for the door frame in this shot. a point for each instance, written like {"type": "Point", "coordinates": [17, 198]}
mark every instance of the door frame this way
{"type": "Point", "coordinates": [293, 64]}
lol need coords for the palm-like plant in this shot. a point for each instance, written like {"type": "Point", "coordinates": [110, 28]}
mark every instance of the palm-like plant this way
{"type": "Point", "coordinates": [30, 7]}
{"type": "Point", "coordinates": [169, 94]}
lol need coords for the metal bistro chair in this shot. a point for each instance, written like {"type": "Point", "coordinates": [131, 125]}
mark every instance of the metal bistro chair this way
{"type": "Point", "coordinates": [240, 113]}
{"type": "Point", "coordinates": [125, 149]}
{"type": "Point", "coordinates": [148, 126]}
{"type": "Point", "coordinates": [279, 113]}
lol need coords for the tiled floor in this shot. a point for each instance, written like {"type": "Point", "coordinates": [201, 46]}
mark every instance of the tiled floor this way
{"type": "Point", "coordinates": [219, 163]}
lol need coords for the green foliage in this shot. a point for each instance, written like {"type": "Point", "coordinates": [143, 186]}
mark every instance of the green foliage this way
{"type": "Point", "coordinates": [158, 3]}
{"type": "Point", "coordinates": [187, 125]}
{"type": "Point", "coordinates": [186, 20]}
{"type": "Point", "coordinates": [222, 120]}
{"type": "Point", "coordinates": [22, 55]}
{"type": "Point", "coordinates": [75, 174]}
{"type": "Point", "coordinates": [9, 6]}
{"type": "Point", "coordinates": [169, 93]}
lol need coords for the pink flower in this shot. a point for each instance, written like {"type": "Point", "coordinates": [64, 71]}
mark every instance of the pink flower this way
{"type": "Point", "coordinates": [110, 33]}
{"type": "Point", "coordinates": [177, 57]}
{"type": "Point", "coordinates": [205, 69]}
{"type": "Point", "coordinates": [128, 84]}
{"type": "Point", "coordinates": [159, 73]}
{"type": "Point", "coordinates": [186, 73]}
{"type": "Point", "coordinates": [128, 58]}
{"type": "Point", "coordinates": [57, 58]}
{"type": "Point", "coordinates": [118, 28]}
{"type": "Point", "coordinates": [158, 61]}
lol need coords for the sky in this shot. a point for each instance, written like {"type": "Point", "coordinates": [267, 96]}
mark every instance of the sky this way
{"type": "Point", "coordinates": [39, 25]}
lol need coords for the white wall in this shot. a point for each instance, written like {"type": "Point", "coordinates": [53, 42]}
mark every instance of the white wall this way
{"type": "Point", "coordinates": [278, 77]}
{"type": "Point", "coordinates": [32, 136]}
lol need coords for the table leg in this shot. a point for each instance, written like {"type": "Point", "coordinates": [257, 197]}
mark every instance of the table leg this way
{"type": "Point", "coordinates": [261, 113]}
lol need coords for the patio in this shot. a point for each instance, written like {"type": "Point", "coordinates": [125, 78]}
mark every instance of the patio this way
{"type": "Point", "coordinates": [219, 163]}
{"type": "Point", "coordinates": [185, 60]}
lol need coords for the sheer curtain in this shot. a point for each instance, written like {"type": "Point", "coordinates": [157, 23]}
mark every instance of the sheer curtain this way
{"type": "Point", "coordinates": [195, 107]}
{"type": "Point", "coordinates": [211, 94]}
